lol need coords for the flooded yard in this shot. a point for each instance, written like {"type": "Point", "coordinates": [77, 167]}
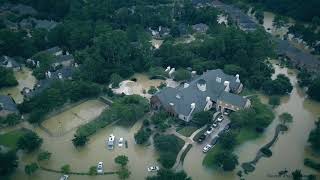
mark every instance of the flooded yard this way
{"type": "Point", "coordinates": [74, 117]}
{"type": "Point", "coordinates": [25, 79]}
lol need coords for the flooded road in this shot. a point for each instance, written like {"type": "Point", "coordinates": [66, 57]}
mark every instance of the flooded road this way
{"type": "Point", "coordinates": [288, 152]}
{"type": "Point", "coordinates": [25, 79]}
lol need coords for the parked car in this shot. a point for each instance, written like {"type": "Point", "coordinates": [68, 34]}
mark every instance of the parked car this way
{"type": "Point", "coordinates": [153, 168]}
{"type": "Point", "coordinates": [209, 131]}
{"type": "Point", "coordinates": [207, 148]}
{"type": "Point", "coordinates": [220, 119]}
{"type": "Point", "coordinates": [214, 140]}
{"type": "Point", "coordinates": [201, 138]}
{"type": "Point", "coordinates": [100, 168]}
{"type": "Point", "coordinates": [64, 177]}
{"type": "Point", "coordinates": [120, 143]}
{"type": "Point", "coordinates": [226, 113]}
{"type": "Point", "coordinates": [215, 125]}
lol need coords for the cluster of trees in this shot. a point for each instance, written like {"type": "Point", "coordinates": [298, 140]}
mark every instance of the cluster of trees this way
{"type": "Point", "coordinates": [57, 95]}
{"type": "Point", "coordinates": [122, 160]}
{"type": "Point", "coordinates": [312, 82]}
{"type": "Point", "coordinates": [10, 120]}
{"type": "Point", "coordinates": [280, 86]}
{"type": "Point", "coordinates": [29, 142]}
{"type": "Point", "coordinates": [169, 175]}
{"type": "Point", "coordinates": [8, 163]}
{"type": "Point", "coordinates": [7, 78]}
{"type": "Point", "coordinates": [258, 117]}
{"type": "Point", "coordinates": [143, 135]}
{"type": "Point", "coordinates": [314, 137]}
{"type": "Point", "coordinates": [168, 146]}
{"type": "Point", "coordinates": [127, 110]}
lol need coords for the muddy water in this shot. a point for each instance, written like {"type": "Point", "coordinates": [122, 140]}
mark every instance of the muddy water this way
{"type": "Point", "coordinates": [74, 117]}
{"type": "Point", "coordinates": [288, 152]}
{"type": "Point", "coordinates": [25, 79]}
{"type": "Point", "coordinates": [81, 159]}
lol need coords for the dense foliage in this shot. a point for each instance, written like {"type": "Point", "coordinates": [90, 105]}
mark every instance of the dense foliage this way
{"type": "Point", "coordinates": [57, 95]}
{"type": "Point", "coordinates": [10, 120]}
{"type": "Point", "coordinates": [168, 146]}
{"type": "Point", "coordinates": [314, 90]}
{"type": "Point", "coordinates": [202, 118]}
{"type": "Point", "coordinates": [8, 163]}
{"type": "Point", "coordinates": [7, 78]}
{"type": "Point", "coordinates": [280, 86]}
{"type": "Point", "coordinates": [314, 137]}
{"type": "Point", "coordinates": [164, 174]}
{"type": "Point", "coordinates": [29, 142]}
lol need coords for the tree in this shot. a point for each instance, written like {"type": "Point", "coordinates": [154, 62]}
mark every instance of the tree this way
{"type": "Point", "coordinates": [167, 159]}
{"type": "Point", "coordinates": [181, 75]}
{"type": "Point", "coordinates": [314, 137]}
{"type": "Point", "coordinates": [79, 140]}
{"type": "Point", "coordinates": [124, 173]}
{"type": "Point", "coordinates": [93, 171]}
{"type": "Point", "coordinates": [29, 142]}
{"type": "Point", "coordinates": [65, 169]}
{"type": "Point", "coordinates": [12, 119]}
{"type": "Point", "coordinates": [31, 168]}
{"type": "Point", "coordinates": [274, 101]}
{"type": "Point", "coordinates": [45, 155]}
{"type": "Point", "coordinates": [142, 136]}
{"type": "Point", "coordinates": [8, 162]}
{"type": "Point", "coordinates": [228, 140]}
{"type": "Point", "coordinates": [260, 16]}
{"type": "Point", "coordinates": [164, 174]}
{"type": "Point", "coordinates": [115, 79]}
{"type": "Point", "coordinates": [152, 90]}
{"type": "Point", "coordinates": [202, 118]}
{"type": "Point", "coordinates": [122, 160]}
{"type": "Point", "coordinates": [314, 90]}
{"type": "Point", "coordinates": [7, 78]}
{"type": "Point", "coordinates": [226, 159]}
{"type": "Point", "coordinates": [280, 86]}
{"type": "Point", "coordinates": [285, 118]}
{"type": "Point", "coordinates": [296, 175]}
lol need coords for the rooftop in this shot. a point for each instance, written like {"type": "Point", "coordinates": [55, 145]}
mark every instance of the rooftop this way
{"type": "Point", "coordinates": [8, 103]}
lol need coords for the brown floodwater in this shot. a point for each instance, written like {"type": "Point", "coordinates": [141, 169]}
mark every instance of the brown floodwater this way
{"type": "Point", "coordinates": [25, 79]}
{"type": "Point", "coordinates": [288, 152]}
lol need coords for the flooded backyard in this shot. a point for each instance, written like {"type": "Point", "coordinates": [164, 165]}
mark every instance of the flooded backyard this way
{"type": "Point", "coordinates": [25, 79]}
{"type": "Point", "coordinates": [288, 152]}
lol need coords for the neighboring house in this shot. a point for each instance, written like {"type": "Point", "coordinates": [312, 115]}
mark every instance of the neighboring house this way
{"type": "Point", "coordinates": [213, 89]}
{"type": "Point", "coordinates": [160, 32]}
{"type": "Point", "coordinates": [201, 28]}
{"type": "Point", "coordinates": [64, 73]}
{"type": "Point", "coordinates": [63, 61]}
{"type": "Point", "coordinates": [7, 106]}
{"type": "Point", "coordinates": [30, 23]}
{"type": "Point", "coordinates": [9, 62]}
{"type": "Point", "coordinates": [55, 51]}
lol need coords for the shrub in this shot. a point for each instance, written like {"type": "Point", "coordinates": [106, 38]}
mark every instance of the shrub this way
{"type": "Point", "coordinates": [267, 152]}
{"type": "Point", "coordinates": [65, 169]}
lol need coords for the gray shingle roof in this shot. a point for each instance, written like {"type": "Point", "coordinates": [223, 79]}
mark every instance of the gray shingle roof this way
{"type": "Point", "coordinates": [8, 103]}
{"type": "Point", "coordinates": [183, 97]}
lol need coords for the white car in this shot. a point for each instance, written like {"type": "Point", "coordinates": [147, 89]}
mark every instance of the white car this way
{"type": "Point", "coordinates": [226, 113]}
{"type": "Point", "coordinates": [100, 168]}
{"type": "Point", "coordinates": [64, 177]}
{"type": "Point", "coordinates": [214, 125]}
{"type": "Point", "coordinates": [120, 143]}
{"type": "Point", "coordinates": [153, 168]}
{"type": "Point", "coordinates": [220, 119]}
{"type": "Point", "coordinates": [209, 131]}
{"type": "Point", "coordinates": [207, 148]}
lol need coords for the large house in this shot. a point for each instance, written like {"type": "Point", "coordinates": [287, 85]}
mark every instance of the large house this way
{"type": "Point", "coordinates": [213, 89]}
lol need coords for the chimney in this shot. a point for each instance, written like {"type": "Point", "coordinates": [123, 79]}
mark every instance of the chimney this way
{"type": "Point", "coordinates": [201, 84]}
{"type": "Point", "coordinates": [218, 79]}
{"type": "Point", "coordinates": [193, 73]}
{"type": "Point", "coordinates": [168, 69]}
{"type": "Point", "coordinates": [208, 99]}
{"type": "Point", "coordinates": [193, 106]}
{"type": "Point", "coordinates": [185, 85]}
{"type": "Point", "coordinates": [49, 74]}
{"type": "Point", "coordinates": [237, 78]}
{"type": "Point", "coordinates": [38, 64]}
{"type": "Point", "coordinates": [171, 71]}
{"type": "Point", "coordinates": [227, 86]}
{"type": "Point", "coordinates": [59, 75]}
{"type": "Point", "coordinates": [76, 65]}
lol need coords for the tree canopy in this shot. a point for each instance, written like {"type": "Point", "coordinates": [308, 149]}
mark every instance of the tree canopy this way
{"type": "Point", "coordinates": [30, 141]}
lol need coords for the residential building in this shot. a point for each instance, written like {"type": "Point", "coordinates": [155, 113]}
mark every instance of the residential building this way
{"type": "Point", "coordinates": [212, 90]}
{"type": "Point", "coordinates": [7, 106]}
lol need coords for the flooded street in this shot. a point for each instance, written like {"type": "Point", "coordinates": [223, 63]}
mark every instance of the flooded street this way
{"type": "Point", "coordinates": [288, 152]}
{"type": "Point", "coordinates": [25, 79]}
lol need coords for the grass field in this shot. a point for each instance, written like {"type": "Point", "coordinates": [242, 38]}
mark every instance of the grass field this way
{"type": "Point", "coordinates": [187, 131]}
{"type": "Point", "coordinates": [10, 139]}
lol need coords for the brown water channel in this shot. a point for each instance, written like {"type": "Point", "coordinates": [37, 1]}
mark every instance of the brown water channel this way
{"type": "Point", "coordinates": [288, 152]}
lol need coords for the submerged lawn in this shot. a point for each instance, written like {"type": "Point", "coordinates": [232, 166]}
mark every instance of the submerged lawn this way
{"type": "Point", "coordinates": [10, 139]}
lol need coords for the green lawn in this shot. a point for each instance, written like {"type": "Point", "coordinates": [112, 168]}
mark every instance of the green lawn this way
{"type": "Point", "coordinates": [246, 134]}
{"type": "Point", "coordinates": [208, 159]}
{"type": "Point", "coordinates": [10, 139]}
{"type": "Point", "coordinates": [187, 131]}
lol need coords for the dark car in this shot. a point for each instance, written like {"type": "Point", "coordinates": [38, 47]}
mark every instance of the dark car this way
{"type": "Point", "coordinates": [201, 138]}
{"type": "Point", "coordinates": [214, 141]}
